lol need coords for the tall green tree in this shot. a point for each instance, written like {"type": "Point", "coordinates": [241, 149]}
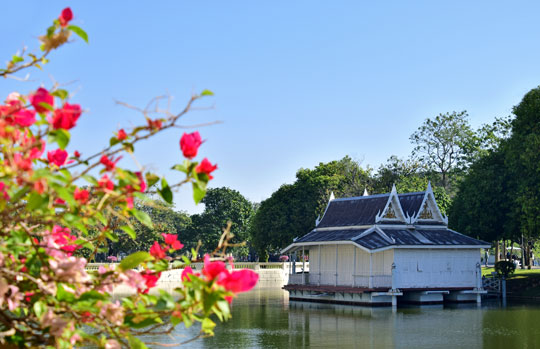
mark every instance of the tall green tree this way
{"type": "Point", "coordinates": [523, 162]}
{"type": "Point", "coordinates": [445, 144]}
{"type": "Point", "coordinates": [481, 206]}
{"type": "Point", "coordinates": [291, 211]}
{"type": "Point", "coordinates": [222, 205]}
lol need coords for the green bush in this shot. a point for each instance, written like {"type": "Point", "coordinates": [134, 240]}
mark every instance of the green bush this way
{"type": "Point", "coordinates": [505, 268]}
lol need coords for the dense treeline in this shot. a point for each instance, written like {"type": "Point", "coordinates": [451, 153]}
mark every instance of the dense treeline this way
{"type": "Point", "coordinates": [499, 198]}
{"type": "Point", "coordinates": [485, 179]}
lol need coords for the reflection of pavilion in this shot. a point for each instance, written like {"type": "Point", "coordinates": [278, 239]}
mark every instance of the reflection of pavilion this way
{"type": "Point", "coordinates": [334, 326]}
{"type": "Point", "coordinates": [372, 249]}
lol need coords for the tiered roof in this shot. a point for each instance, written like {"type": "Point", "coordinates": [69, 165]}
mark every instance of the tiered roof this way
{"type": "Point", "coordinates": [384, 221]}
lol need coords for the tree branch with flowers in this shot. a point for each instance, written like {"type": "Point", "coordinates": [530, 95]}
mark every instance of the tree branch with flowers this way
{"type": "Point", "coordinates": [52, 204]}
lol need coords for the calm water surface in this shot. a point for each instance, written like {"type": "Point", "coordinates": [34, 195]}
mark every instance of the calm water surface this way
{"type": "Point", "coordinates": [264, 318]}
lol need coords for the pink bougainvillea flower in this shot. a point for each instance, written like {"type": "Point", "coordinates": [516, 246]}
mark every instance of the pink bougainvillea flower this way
{"type": "Point", "coordinates": [67, 116]}
{"type": "Point", "coordinates": [24, 117]}
{"type": "Point", "coordinates": [106, 183]}
{"type": "Point", "coordinates": [151, 279]}
{"type": "Point", "coordinates": [63, 238]}
{"type": "Point", "coordinates": [206, 167]}
{"type": "Point", "coordinates": [212, 270]}
{"type": "Point", "coordinates": [65, 17]}
{"type": "Point", "coordinates": [57, 157]}
{"type": "Point", "coordinates": [76, 154]}
{"type": "Point", "coordinates": [157, 251]}
{"type": "Point", "coordinates": [81, 195]}
{"type": "Point", "coordinates": [41, 96]}
{"type": "Point", "coordinates": [110, 164]}
{"type": "Point", "coordinates": [3, 188]}
{"type": "Point", "coordinates": [142, 183]}
{"type": "Point", "coordinates": [121, 135]}
{"type": "Point", "coordinates": [186, 273]}
{"type": "Point", "coordinates": [190, 143]}
{"type": "Point", "coordinates": [239, 280]}
{"type": "Point", "coordinates": [172, 240]}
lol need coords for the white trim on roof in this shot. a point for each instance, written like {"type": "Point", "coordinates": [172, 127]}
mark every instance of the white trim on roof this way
{"type": "Point", "coordinates": [393, 200]}
{"type": "Point", "coordinates": [345, 242]}
{"type": "Point", "coordinates": [330, 199]}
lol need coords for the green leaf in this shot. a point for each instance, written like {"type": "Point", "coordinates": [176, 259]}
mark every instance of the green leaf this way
{"type": "Point", "coordinates": [151, 179]}
{"type": "Point", "coordinates": [135, 343]}
{"type": "Point", "coordinates": [63, 295]}
{"type": "Point", "coordinates": [39, 308]}
{"type": "Point", "coordinates": [207, 93]}
{"type": "Point", "coordinates": [198, 193]}
{"type": "Point", "coordinates": [181, 168]}
{"type": "Point", "coordinates": [16, 59]}
{"type": "Point", "coordinates": [208, 326]}
{"type": "Point", "coordinates": [166, 192]}
{"type": "Point", "coordinates": [90, 179]}
{"type": "Point", "coordinates": [60, 136]}
{"type": "Point", "coordinates": [61, 93]}
{"type": "Point", "coordinates": [35, 201]}
{"type": "Point", "coordinates": [79, 31]}
{"type": "Point", "coordinates": [143, 217]}
{"type": "Point", "coordinates": [111, 236]}
{"type": "Point", "coordinates": [65, 195]}
{"type": "Point", "coordinates": [134, 259]}
{"type": "Point", "coordinates": [113, 141]}
{"type": "Point", "coordinates": [130, 231]}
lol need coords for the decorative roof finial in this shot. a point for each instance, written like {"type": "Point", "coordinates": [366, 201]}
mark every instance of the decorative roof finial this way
{"type": "Point", "coordinates": [394, 190]}
{"type": "Point", "coordinates": [365, 192]}
{"type": "Point", "coordinates": [429, 189]}
{"type": "Point", "coordinates": [332, 197]}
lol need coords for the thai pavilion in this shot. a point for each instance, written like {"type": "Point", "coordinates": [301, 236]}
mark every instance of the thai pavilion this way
{"type": "Point", "coordinates": [375, 249]}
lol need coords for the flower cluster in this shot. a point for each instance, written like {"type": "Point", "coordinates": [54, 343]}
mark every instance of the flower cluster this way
{"type": "Point", "coordinates": [57, 208]}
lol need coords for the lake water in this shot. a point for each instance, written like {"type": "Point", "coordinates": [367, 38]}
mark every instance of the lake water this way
{"type": "Point", "coordinates": [265, 318]}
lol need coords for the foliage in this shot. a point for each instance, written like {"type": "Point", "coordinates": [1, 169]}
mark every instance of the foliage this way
{"type": "Point", "coordinates": [291, 211]}
{"type": "Point", "coordinates": [445, 144]}
{"type": "Point", "coordinates": [482, 204]}
{"type": "Point", "coordinates": [221, 205]}
{"type": "Point", "coordinates": [523, 162]}
{"type": "Point", "coordinates": [54, 204]}
{"type": "Point", "coordinates": [505, 268]}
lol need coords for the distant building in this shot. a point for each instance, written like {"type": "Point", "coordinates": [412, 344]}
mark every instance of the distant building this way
{"type": "Point", "coordinates": [375, 248]}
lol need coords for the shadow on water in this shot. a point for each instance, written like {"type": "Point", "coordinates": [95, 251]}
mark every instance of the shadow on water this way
{"type": "Point", "coordinates": [264, 318]}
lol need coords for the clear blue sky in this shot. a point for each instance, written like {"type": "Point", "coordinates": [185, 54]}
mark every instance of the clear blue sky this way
{"type": "Point", "coordinates": [296, 82]}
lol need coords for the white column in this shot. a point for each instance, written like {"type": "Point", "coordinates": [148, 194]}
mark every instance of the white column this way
{"type": "Point", "coordinates": [370, 282]}
{"type": "Point", "coordinates": [320, 271]}
{"type": "Point", "coordinates": [303, 266]}
{"type": "Point", "coordinates": [336, 265]}
{"type": "Point", "coordinates": [354, 268]}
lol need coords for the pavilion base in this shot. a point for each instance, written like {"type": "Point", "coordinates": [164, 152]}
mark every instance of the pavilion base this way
{"type": "Point", "coordinates": [343, 295]}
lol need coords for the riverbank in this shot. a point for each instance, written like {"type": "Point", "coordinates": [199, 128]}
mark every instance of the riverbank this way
{"type": "Point", "coordinates": [524, 284]}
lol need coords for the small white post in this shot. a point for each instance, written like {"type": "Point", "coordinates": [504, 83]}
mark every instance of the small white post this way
{"type": "Point", "coordinates": [303, 266]}
{"type": "Point", "coordinates": [394, 276]}
{"type": "Point", "coordinates": [394, 287]}
{"type": "Point", "coordinates": [354, 268]}
{"type": "Point", "coordinates": [336, 265]}
{"type": "Point", "coordinates": [370, 282]}
{"type": "Point", "coordinates": [320, 271]}
{"type": "Point", "coordinates": [479, 286]}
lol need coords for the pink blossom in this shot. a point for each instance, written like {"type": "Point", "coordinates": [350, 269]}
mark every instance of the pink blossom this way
{"type": "Point", "coordinates": [70, 270]}
{"type": "Point", "coordinates": [133, 279]}
{"type": "Point", "coordinates": [212, 270]}
{"type": "Point", "coordinates": [55, 322]}
{"type": "Point", "coordinates": [113, 312]}
{"type": "Point", "coordinates": [57, 157]}
{"type": "Point", "coordinates": [239, 280]}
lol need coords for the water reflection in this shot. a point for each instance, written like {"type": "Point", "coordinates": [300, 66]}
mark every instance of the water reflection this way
{"type": "Point", "coordinates": [264, 318]}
